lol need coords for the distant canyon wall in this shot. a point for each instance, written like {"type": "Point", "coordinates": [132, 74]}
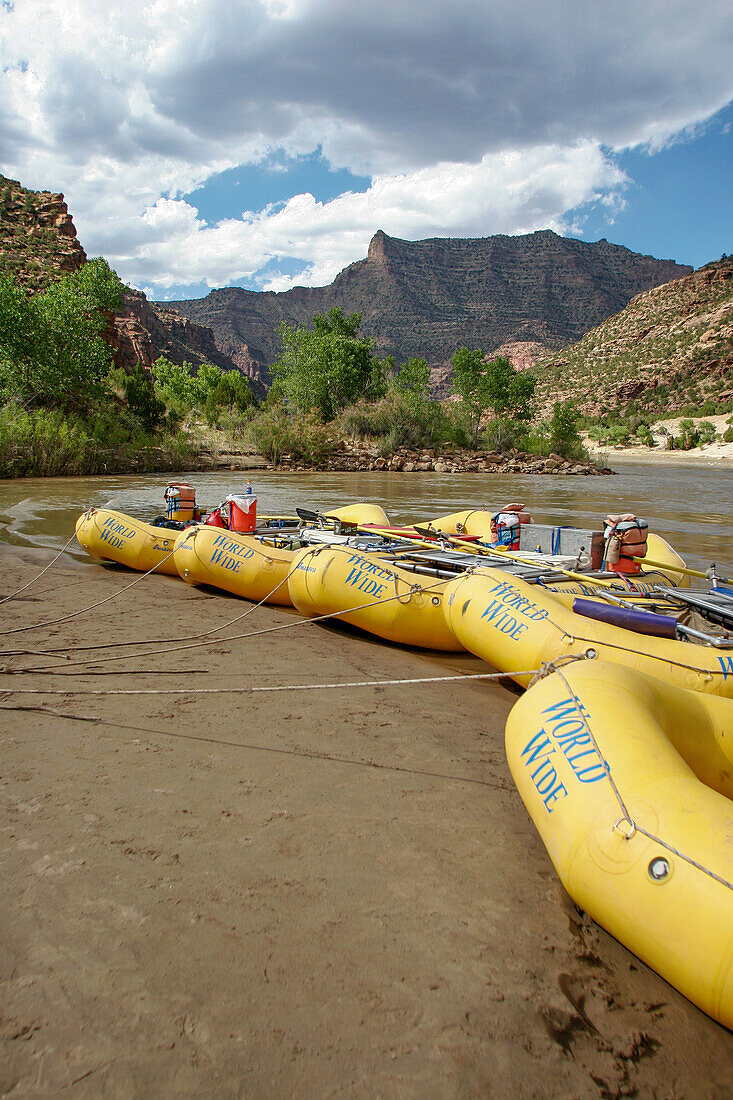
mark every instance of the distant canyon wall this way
{"type": "Point", "coordinates": [528, 294]}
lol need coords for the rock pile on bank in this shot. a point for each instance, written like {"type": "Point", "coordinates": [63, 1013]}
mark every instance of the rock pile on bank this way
{"type": "Point", "coordinates": [362, 457]}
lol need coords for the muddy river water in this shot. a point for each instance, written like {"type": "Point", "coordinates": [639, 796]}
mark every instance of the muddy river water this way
{"type": "Point", "coordinates": [691, 506]}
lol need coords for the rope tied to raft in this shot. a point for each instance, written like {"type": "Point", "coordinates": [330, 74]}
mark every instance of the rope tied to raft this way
{"type": "Point", "coordinates": [626, 818]}
{"type": "Point", "coordinates": [91, 607]}
{"type": "Point", "coordinates": [63, 549]}
{"type": "Point", "coordinates": [267, 689]}
{"type": "Point", "coordinates": [218, 641]}
{"type": "Point", "coordinates": [549, 667]}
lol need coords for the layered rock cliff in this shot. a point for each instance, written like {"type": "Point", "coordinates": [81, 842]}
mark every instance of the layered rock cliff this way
{"type": "Point", "coordinates": [38, 245]}
{"type": "Point", "coordinates": [671, 346]}
{"type": "Point", "coordinates": [37, 236]}
{"type": "Point", "coordinates": [146, 330]}
{"type": "Point", "coordinates": [430, 297]}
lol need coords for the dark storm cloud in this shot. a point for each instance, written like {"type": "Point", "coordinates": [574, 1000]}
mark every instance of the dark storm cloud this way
{"type": "Point", "coordinates": [410, 84]}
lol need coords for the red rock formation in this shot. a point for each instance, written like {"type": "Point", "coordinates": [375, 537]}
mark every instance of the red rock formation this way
{"type": "Point", "coordinates": [37, 236]}
{"type": "Point", "coordinates": [145, 330]}
{"type": "Point", "coordinates": [427, 298]}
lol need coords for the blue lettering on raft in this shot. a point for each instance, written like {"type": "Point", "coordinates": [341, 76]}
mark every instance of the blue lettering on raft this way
{"type": "Point", "coordinates": [115, 533]}
{"type": "Point", "coordinates": [568, 729]}
{"type": "Point", "coordinates": [365, 583]}
{"type": "Point", "coordinates": [506, 604]}
{"type": "Point", "coordinates": [363, 576]}
{"type": "Point", "coordinates": [370, 567]}
{"type": "Point", "coordinates": [228, 554]}
{"type": "Point", "coordinates": [544, 776]}
{"type": "Point", "coordinates": [726, 664]}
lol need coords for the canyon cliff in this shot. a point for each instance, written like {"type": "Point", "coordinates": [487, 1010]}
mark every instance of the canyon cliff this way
{"type": "Point", "coordinates": [39, 245]}
{"type": "Point", "coordinates": [671, 347]}
{"type": "Point", "coordinates": [530, 294]}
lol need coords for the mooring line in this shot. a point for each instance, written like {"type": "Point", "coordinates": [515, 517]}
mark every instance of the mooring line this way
{"type": "Point", "coordinates": [415, 589]}
{"type": "Point", "coordinates": [13, 595]}
{"type": "Point", "coordinates": [239, 690]}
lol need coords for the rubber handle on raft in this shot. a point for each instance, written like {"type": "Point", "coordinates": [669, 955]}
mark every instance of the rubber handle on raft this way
{"type": "Point", "coordinates": [641, 622]}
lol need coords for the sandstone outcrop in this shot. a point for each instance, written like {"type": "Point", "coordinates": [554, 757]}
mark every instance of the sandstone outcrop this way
{"type": "Point", "coordinates": [427, 298]}
{"type": "Point", "coordinates": [145, 330]}
{"type": "Point", "coordinates": [37, 236]}
{"type": "Point", "coordinates": [38, 245]}
{"type": "Point", "coordinates": [670, 347]}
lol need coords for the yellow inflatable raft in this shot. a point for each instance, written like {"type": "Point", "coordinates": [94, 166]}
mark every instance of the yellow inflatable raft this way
{"type": "Point", "coordinates": [245, 565]}
{"type": "Point", "coordinates": [472, 521]}
{"type": "Point", "coordinates": [113, 536]}
{"type": "Point", "coordinates": [628, 782]}
{"type": "Point", "coordinates": [253, 566]}
{"type": "Point", "coordinates": [635, 586]}
{"type": "Point", "coordinates": [517, 626]}
{"type": "Point", "coordinates": [372, 593]}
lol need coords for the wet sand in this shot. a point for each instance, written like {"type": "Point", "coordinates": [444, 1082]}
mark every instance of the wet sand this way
{"type": "Point", "coordinates": [306, 893]}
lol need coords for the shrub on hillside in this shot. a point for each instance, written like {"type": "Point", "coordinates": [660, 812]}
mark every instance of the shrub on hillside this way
{"type": "Point", "coordinates": [274, 432]}
{"type": "Point", "coordinates": [402, 420]}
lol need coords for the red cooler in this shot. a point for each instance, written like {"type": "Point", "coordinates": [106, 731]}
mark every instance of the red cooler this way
{"type": "Point", "coordinates": [242, 513]}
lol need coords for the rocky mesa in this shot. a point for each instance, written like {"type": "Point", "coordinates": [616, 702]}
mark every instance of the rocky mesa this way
{"type": "Point", "coordinates": [534, 292]}
{"type": "Point", "coordinates": [671, 346]}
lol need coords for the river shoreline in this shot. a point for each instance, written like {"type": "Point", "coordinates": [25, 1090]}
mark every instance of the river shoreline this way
{"type": "Point", "coordinates": [319, 892]}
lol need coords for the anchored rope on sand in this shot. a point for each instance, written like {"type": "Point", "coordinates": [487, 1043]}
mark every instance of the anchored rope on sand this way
{"type": "Point", "coordinates": [13, 595]}
{"type": "Point", "coordinates": [633, 826]}
{"type": "Point", "coordinates": [92, 606]}
{"type": "Point", "coordinates": [53, 650]}
{"type": "Point", "coordinates": [219, 641]}
{"type": "Point", "coordinates": [272, 688]}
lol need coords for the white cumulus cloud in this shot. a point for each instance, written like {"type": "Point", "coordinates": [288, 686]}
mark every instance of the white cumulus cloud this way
{"type": "Point", "coordinates": [469, 116]}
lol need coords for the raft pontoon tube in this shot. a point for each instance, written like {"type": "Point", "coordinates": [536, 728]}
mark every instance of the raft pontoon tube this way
{"type": "Point", "coordinates": [113, 536]}
{"type": "Point", "coordinates": [516, 626]}
{"type": "Point", "coordinates": [628, 781]}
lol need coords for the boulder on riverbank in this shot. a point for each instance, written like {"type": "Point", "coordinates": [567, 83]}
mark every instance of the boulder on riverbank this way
{"type": "Point", "coordinates": [362, 457]}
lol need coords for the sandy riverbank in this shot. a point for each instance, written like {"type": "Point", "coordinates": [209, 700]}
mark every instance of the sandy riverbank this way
{"type": "Point", "coordinates": [717, 454]}
{"type": "Point", "coordinates": [321, 893]}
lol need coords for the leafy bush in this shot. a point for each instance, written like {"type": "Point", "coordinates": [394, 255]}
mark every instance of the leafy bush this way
{"type": "Point", "coordinates": [502, 433]}
{"type": "Point", "coordinates": [562, 428]}
{"type": "Point", "coordinates": [52, 350]}
{"type": "Point", "coordinates": [51, 443]}
{"type": "Point", "coordinates": [274, 432]}
{"type": "Point", "coordinates": [138, 390]}
{"type": "Point", "coordinates": [496, 386]}
{"type": "Point", "coordinates": [327, 368]}
{"type": "Point", "coordinates": [208, 390]}
{"type": "Point", "coordinates": [688, 437]}
{"type": "Point", "coordinates": [402, 420]}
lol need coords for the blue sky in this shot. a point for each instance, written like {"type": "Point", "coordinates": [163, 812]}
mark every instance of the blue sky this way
{"type": "Point", "coordinates": [679, 200]}
{"type": "Point", "coordinates": [262, 143]}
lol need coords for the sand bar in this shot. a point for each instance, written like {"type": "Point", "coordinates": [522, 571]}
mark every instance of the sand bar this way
{"type": "Point", "coordinates": [323, 893]}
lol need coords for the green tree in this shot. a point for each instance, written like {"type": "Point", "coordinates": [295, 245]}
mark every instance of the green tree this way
{"type": "Point", "coordinates": [230, 391]}
{"type": "Point", "coordinates": [564, 437]}
{"type": "Point", "coordinates": [208, 389]}
{"type": "Point", "coordinates": [176, 384]}
{"type": "Point", "coordinates": [142, 399]}
{"type": "Point", "coordinates": [413, 379]}
{"type": "Point", "coordinates": [494, 386]}
{"type": "Point", "coordinates": [329, 367]}
{"type": "Point", "coordinates": [52, 346]}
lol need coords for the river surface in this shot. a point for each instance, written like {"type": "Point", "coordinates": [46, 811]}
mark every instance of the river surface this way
{"type": "Point", "coordinates": [690, 506]}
